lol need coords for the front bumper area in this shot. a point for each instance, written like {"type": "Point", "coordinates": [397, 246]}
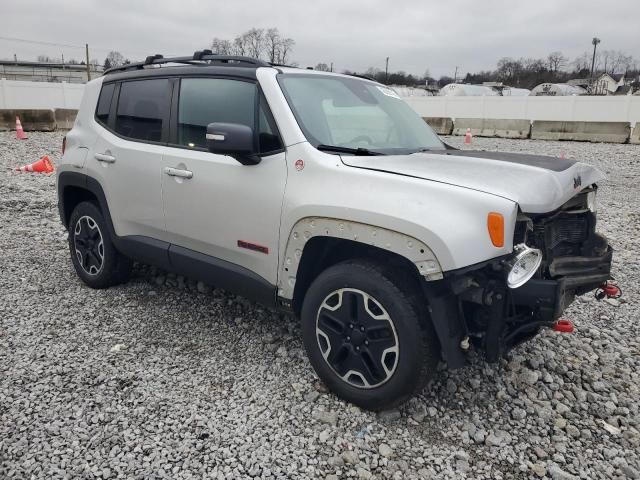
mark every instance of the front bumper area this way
{"type": "Point", "coordinates": [573, 276]}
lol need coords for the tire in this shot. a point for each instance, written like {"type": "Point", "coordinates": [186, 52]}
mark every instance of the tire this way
{"type": "Point", "coordinates": [375, 356]}
{"type": "Point", "coordinates": [97, 262]}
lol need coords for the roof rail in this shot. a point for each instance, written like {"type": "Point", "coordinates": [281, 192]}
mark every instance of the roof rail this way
{"type": "Point", "coordinates": [200, 57]}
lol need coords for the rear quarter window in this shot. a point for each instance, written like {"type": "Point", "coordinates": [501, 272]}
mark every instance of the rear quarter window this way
{"type": "Point", "coordinates": [104, 103]}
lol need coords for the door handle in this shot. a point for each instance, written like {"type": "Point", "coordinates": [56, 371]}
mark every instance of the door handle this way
{"type": "Point", "coordinates": [103, 157]}
{"type": "Point", "coordinates": [175, 172]}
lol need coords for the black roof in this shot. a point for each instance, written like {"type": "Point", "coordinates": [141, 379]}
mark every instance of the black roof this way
{"type": "Point", "coordinates": [201, 62]}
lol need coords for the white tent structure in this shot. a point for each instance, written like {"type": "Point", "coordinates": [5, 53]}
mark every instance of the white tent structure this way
{"type": "Point", "coordinates": [557, 90]}
{"type": "Point", "coordinates": [515, 92]}
{"type": "Point", "coordinates": [465, 90]}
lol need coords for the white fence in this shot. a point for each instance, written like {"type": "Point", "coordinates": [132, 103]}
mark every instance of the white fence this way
{"type": "Point", "coordinates": [18, 95]}
{"type": "Point", "coordinates": [41, 95]}
{"type": "Point", "coordinates": [581, 109]}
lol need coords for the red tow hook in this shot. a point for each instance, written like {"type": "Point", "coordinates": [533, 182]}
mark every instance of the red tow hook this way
{"type": "Point", "coordinates": [608, 290]}
{"type": "Point", "coordinates": [563, 326]}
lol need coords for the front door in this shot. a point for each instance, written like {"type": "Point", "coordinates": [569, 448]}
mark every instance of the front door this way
{"type": "Point", "coordinates": [213, 204]}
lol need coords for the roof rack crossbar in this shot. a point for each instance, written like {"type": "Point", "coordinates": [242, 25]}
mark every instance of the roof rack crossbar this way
{"type": "Point", "coordinates": [201, 57]}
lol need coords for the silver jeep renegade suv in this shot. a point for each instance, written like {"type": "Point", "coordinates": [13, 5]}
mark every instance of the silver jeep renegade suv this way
{"type": "Point", "coordinates": [327, 196]}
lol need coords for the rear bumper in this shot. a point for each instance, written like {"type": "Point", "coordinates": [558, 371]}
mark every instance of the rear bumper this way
{"type": "Point", "coordinates": [573, 276]}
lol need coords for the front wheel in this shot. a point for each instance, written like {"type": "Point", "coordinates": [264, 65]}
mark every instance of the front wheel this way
{"type": "Point", "coordinates": [367, 335]}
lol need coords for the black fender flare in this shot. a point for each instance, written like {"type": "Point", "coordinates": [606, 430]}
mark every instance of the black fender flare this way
{"type": "Point", "coordinates": [91, 185]}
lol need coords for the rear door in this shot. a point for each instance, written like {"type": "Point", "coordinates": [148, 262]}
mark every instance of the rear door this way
{"type": "Point", "coordinates": [133, 118]}
{"type": "Point", "coordinates": [221, 208]}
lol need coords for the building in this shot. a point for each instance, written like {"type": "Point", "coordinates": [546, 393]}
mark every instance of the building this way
{"type": "Point", "coordinates": [605, 84]}
{"type": "Point", "coordinates": [47, 72]}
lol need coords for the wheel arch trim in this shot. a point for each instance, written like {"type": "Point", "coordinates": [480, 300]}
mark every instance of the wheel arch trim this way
{"type": "Point", "coordinates": [414, 250]}
{"type": "Point", "coordinates": [84, 182]}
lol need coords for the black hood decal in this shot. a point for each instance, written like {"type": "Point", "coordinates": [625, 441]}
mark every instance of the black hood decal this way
{"type": "Point", "coordinates": [541, 161]}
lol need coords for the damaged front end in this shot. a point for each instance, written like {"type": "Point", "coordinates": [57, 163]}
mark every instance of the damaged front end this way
{"type": "Point", "coordinates": [498, 304]}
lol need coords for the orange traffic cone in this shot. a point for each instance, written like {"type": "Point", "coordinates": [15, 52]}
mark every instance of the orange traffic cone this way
{"type": "Point", "coordinates": [43, 165]}
{"type": "Point", "coordinates": [467, 136]}
{"type": "Point", "coordinates": [20, 135]}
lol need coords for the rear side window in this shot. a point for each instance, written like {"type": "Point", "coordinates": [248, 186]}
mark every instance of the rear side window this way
{"type": "Point", "coordinates": [209, 100]}
{"type": "Point", "coordinates": [104, 103]}
{"type": "Point", "coordinates": [142, 109]}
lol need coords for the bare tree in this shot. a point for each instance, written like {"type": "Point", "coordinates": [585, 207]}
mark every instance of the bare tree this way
{"type": "Point", "coordinates": [272, 40]}
{"type": "Point", "coordinates": [240, 45]}
{"type": "Point", "coordinates": [322, 67]}
{"type": "Point", "coordinates": [116, 59]}
{"type": "Point", "coordinates": [620, 62]}
{"type": "Point", "coordinates": [607, 57]}
{"type": "Point", "coordinates": [556, 61]}
{"type": "Point", "coordinates": [509, 69]}
{"type": "Point", "coordinates": [256, 42]}
{"type": "Point", "coordinates": [582, 62]}
{"type": "Point", "coordinates": [255, 38]}
{"type": "Point", "coordinates": [221, 46]}
{"type": "Point", "coordinates": [286, 45]}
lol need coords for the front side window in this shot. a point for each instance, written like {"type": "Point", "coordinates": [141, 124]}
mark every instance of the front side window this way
{"type": "Point", "coordinates": [142, 109]}
{"type": "Point", "coordinates": [213, 100]}
{"type": "Point", "coordinates": [220, 100]}
{"type": "Point", "coordinates": [352, 113]}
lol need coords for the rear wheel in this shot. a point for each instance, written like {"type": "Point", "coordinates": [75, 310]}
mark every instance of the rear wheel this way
{"type": "Point", "coordinates": [367, 335]}
{"type": "Point", "coordinates": [93, 254]}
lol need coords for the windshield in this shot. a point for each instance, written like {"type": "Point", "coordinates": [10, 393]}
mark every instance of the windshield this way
{"type": "Point", "coordinates": [354, 114]}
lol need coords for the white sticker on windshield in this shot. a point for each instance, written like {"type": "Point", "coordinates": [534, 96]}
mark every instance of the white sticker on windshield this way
{"type": "Point", "coordinates": [389, 92]}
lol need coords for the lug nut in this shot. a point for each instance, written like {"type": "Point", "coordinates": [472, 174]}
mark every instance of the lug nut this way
{"type": "Point", "coordinates": [366, 342]}
{"type": "Point", "coordinates": [351, 325]}
{"type": "Point", "coordinates": [348, 338]}
{"type": "Point", "coordinates": [362, 329]}
{"type": "Point", "coordinates": [358, 349]}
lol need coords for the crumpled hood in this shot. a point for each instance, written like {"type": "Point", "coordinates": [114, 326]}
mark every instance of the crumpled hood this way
{"type": "Point", "coordinates": [537, 183]}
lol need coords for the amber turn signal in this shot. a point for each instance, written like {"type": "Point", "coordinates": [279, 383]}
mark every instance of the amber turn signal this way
{"type": "Point", "coordinates": [495, 225]}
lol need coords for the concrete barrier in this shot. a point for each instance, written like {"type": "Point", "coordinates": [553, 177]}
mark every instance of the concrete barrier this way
{"type": "Point", "coordinates": [612, 132]}
{"type": "Point", "coordinates": [65, 118]}
{"type": "Point", "coordinates": [40, 120]}
{"type": "Point", "coordinates": [441, 125]}
{"type": "Point", "coordinates": [492, 127]}
{"type": "Point", "coordinates": [635, 134]}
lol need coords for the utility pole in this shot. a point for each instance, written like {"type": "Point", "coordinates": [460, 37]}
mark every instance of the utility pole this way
{"type": "Point", "coordinates": [331, 70]}
{"type": "Point", "coordinates": [455, 75]}
{"type": "Point", "coordinates": [595, 43]}
{"type": "Point", "coordinates": [386, 72]}
{"type": "Point", "coordinates": [86, 49]}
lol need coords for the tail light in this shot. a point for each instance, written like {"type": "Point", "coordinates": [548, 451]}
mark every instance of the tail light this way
{"type": "Point", "coordinates": [64, 144]}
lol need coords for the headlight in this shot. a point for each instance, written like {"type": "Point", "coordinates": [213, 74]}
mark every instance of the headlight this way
{"type": "Point", "coordinates": [522, 265]}
{"type": "Point", "coordinates": [591, 201]}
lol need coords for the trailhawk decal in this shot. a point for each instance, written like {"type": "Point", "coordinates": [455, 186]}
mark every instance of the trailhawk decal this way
{"type": "Point", "coordinates": [307, 228]}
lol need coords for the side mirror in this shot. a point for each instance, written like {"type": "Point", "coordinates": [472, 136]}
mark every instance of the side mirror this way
{"type": "Point", "coordinates": [233, 139]}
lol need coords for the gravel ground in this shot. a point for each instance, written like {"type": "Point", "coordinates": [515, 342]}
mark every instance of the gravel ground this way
{"type": "Point", "coordinates": [165, 378]}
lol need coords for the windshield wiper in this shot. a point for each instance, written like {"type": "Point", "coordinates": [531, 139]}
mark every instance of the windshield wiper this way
{"type": "Point", "coordinates": [354, 151]}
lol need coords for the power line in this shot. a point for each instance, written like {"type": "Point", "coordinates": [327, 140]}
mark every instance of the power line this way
{"type": "Point", "coordinates": [40, 42]}
{"type": "Point", "coordinates": [67, 45]}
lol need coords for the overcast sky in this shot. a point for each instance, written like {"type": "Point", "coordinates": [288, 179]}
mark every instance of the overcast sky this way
{"type": "Point", "coordinates": [353, 34]}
